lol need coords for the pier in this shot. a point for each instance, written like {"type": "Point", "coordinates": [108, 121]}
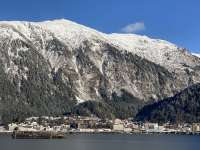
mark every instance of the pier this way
{"type": "Point", "coordinates": [37, 135]}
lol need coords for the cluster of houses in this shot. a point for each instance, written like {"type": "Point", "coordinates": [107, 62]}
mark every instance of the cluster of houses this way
{"type": "Point", "coordinates": [135, 127]}
{"type": "Point", "coordinates": [95, 125]}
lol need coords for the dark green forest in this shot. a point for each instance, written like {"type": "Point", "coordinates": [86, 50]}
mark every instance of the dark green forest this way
{"type": "Point", "coordinates": [183, 107]}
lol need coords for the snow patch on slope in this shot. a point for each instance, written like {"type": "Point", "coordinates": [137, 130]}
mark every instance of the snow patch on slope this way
{"type": "Point", "coordinates": [158, 51]}
{"type": "Point", "coordinates": [153, 49]}
{"type": "Point", "coordinates": [71, 32]}
{"type": "Point", "coordinates": [73, 36]}
{"type": "Point", "coordinates": [80, 100]}
{"type": "Point", "coordinates": [196, 54]}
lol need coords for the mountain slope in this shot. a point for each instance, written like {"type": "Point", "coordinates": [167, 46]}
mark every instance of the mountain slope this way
{"type": "Point", "coordinates": [49, 68]}
{"type": "Point", "coordinates": [183, 107]}
{"type": "Point", "coordinates": [196, 54]}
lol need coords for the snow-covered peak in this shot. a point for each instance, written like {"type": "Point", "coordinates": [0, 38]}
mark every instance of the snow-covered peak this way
{"type": "Point", "coordinates": [68, 32]}
{"type": "Point", "coordinates": [196, 54]}
{"type": "Point", "coordinates": [66, 26]}
{"type": "Point", "coordinates": [19, 26]}
{"type": "Point", "coordinates": [71, 32]}
{"type": "Point", "coordinates": [73, 35]}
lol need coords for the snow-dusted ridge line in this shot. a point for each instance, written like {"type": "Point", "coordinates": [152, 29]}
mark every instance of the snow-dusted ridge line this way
{"type": "Point", "coordinates": [73, 35]}
{"type": "Point", "coordinates": [196, 54]}
{"type": "Point", "coordinates": [64, 28]}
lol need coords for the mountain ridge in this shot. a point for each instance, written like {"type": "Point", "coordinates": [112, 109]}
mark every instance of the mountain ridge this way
{"type": "Point", "coordinates": [73, 64]}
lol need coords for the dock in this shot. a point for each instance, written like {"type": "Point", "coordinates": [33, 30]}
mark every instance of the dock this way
{"type": "Point", "coordinates": [37, 135]}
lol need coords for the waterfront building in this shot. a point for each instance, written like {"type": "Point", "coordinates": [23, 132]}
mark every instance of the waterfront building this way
{"type": "Point", "coordinates": [196, 127]}
{"type": "Point", "coordinates": [118, 125]}
{"type": "Point", "coordinates": [87, 122]}
{"type": "Point", "coordinates": [87, 130]}
{"type": "Point", "coordinates": [12, 126]}
{"type": "Point", "coordinates": [151, 126]}
{"type": "Point", "coordinates": [2, 129]}
{"type": "Point", "coordinates": [128, 130]}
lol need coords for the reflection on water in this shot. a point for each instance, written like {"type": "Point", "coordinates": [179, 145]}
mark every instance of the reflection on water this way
{"type": "Point", "coordinates": [105, 142]}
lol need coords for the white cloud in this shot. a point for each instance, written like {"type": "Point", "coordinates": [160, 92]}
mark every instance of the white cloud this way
{"type": "Point", "coordinates": [196, 54]}
{"type": "Point", "coordinates": [133, 28]}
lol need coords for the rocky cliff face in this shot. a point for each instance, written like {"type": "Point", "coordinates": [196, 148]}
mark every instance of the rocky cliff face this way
{"type": "Point", "coordinates": [49, 68]}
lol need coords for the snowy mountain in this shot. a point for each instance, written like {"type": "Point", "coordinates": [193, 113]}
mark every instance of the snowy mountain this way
{"type": "Point", "coordinates": [50, 67]}
{"type": "Point", "coordinates": [196, 54]}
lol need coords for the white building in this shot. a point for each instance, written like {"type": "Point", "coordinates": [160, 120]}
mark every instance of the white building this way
{"type": "Point", "coordinates": [87, 130]}
{"type": "Point", "coordinates": [128, 130]}
{"type": "Point", "coordinates": [12, 126]}
{"type": "Point", "coordinates": [118, 125]}
{"type": "Point", "coordinates": [196, 127]}
{"type": "Point", "coordinates": [151, 127]}
{"type": "Point", "coordinates": [2, 129]}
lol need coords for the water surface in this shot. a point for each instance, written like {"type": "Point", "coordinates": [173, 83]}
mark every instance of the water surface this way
{"type": "Point", "coordinates": [104, 142]}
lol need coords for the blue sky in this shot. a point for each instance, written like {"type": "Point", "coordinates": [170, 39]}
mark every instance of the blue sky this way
{"type": "Point", "coordinates": [177, 21]}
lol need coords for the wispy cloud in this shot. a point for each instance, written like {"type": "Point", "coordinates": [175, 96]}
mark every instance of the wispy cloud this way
{"type": "Point", "coordinates": [134, 27]}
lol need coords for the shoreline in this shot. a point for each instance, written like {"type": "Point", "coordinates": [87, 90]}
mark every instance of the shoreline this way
{"type": "Point", "coordinates": [136, 133]}
{"type": "Point", "coordinates": [122, 133]}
